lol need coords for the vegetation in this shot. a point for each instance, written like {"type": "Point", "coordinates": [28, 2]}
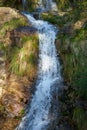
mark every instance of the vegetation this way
{"type": "Point", "coordinates": [18, 66]}
{"type": "Point", "coordinates": [30, 5]}
{"type": "Point", "coordinates": [72, 46]}
{"type": "Point", "coordinates": [81, 118]}
{"type": "Point", "coordinates": [14, 23]}
{"type": "Point", "coordinates": [71, 19]}
{"type": "Point", "coordinates": [67, 4]}
{"type": "Point", "coordinates": [23, 60]}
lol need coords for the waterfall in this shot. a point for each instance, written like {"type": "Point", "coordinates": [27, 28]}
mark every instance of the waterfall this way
{"type": "Point", "coordinates": [48, 5]}
{"type": "Point", "coordinates": [49, 78]}
{"type": "Point", "coordinates": [37, 118]}
{"type": "Point", "coordinates": [24, 3]}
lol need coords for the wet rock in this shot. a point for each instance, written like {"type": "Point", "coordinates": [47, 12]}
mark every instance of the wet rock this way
{"type": "Point", "coordinates": [66, 127]}
{"type": "Point", "coordinates": [21, 31]}
{"type": "Point", "coordinates": [16, 34]}
{"type": "Point", "coordinates": [26, 30]}
{"type": "Point", "coordinates": [67, 29]}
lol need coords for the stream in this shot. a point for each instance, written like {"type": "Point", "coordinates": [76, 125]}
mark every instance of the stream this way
{"type": "Point", "coordinates": [39, 116]}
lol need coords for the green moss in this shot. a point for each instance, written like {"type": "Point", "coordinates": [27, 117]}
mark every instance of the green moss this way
{"type": "Point", "coordinates": [22, 112]}
{"type": "Point", "coordinates": [54, 19]}
{"type": "Point", "coordinates": [2, 108]}
{"type": "Point", "coordinates": [85, 26]}
{"type": "Point", "coordinates": [80, 81]}
{"type": "Point", "coordinates": [80, 118]}
{"type": "Point", "coordinates": [31, 5]}
{"type": "Point", "coordinates": [73, 52]}
{"type": "Point", "coordinates": [1, 46]}
{"type": "Point", "coordinates": [14, 60]}
{"type": "Point", "coordinates": [32, 59]}
{"type": "Point", "coordinates": [80, 34]}
{"type": "Point", "coordinates": [14, 23]}
{"type": "Point", "coordinates": [25, 39]}
{"type": "Point", "coordinates": [23, 60]}
{"type": "Point", "coordinates": [63, 4]}
{"type": "Point", "coordinates": [2, 111]}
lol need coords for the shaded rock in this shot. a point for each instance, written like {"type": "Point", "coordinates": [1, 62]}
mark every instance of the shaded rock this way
{"type": "Point", "coordinates": [15, 35]}
{"type": "Point", "coordinates": [26, 30]}
{"type": "Point", "coordinates": [67, 29]}
{"type": "Point", "coordinates": [65, 127]}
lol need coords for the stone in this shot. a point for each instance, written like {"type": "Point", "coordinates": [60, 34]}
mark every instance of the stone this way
{"type": "Point", "coordinates": [15, 92]}
{"type": "Point", "coordinates": [15, 35]}
{"type": "Point", "coordinates": [78, 24]}
{"type": "Point", "coordinates": [7, 13]}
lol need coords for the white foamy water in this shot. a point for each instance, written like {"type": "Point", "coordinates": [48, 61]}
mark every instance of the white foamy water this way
{"type": "Point", "coordinates": [37, 117]}
{"type": "Point", "coordinates": [24, 4]}
{"type": "Point", "coordinates": [48, 5]}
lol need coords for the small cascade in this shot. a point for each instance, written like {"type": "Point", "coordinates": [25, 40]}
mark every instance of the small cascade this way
{"type": "Point", "coordinates": [48, 5]}
{"type": "Point", "coordinates": [49, 79]}
{"type": "Point", "coordinates": [24, 3]}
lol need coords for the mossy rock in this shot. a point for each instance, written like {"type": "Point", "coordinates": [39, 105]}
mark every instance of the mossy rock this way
{"type": "Point", "coordinates": [23, 60]}
{"type": "Point", "coordinates": [80, 118]}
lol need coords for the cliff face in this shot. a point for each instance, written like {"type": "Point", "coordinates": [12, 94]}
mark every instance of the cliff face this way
{"type": "Point", "coordinates": [18, 66]}
{"type": "Point", "coordinates": [71, 44]}
{"type": "Point", "coordinates": [72, 47]}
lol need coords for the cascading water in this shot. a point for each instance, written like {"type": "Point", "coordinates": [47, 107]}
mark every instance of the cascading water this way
{"type": "Point", "coordinates": [37, 117]}
{"type": "Point", "coordinates": [24, 3]}
{"type": "Point", "coordinates": [49, 73]}
{"type": "Point", "coordinates": [48, 5]}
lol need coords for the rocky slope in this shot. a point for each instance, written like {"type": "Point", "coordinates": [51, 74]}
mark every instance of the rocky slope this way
{"type": "Point", "coordinates": [72, 46]}
{"type": "Point", "coordinates": [18, 66]}
{"type": "Point", "coordinates": [16, 54]}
